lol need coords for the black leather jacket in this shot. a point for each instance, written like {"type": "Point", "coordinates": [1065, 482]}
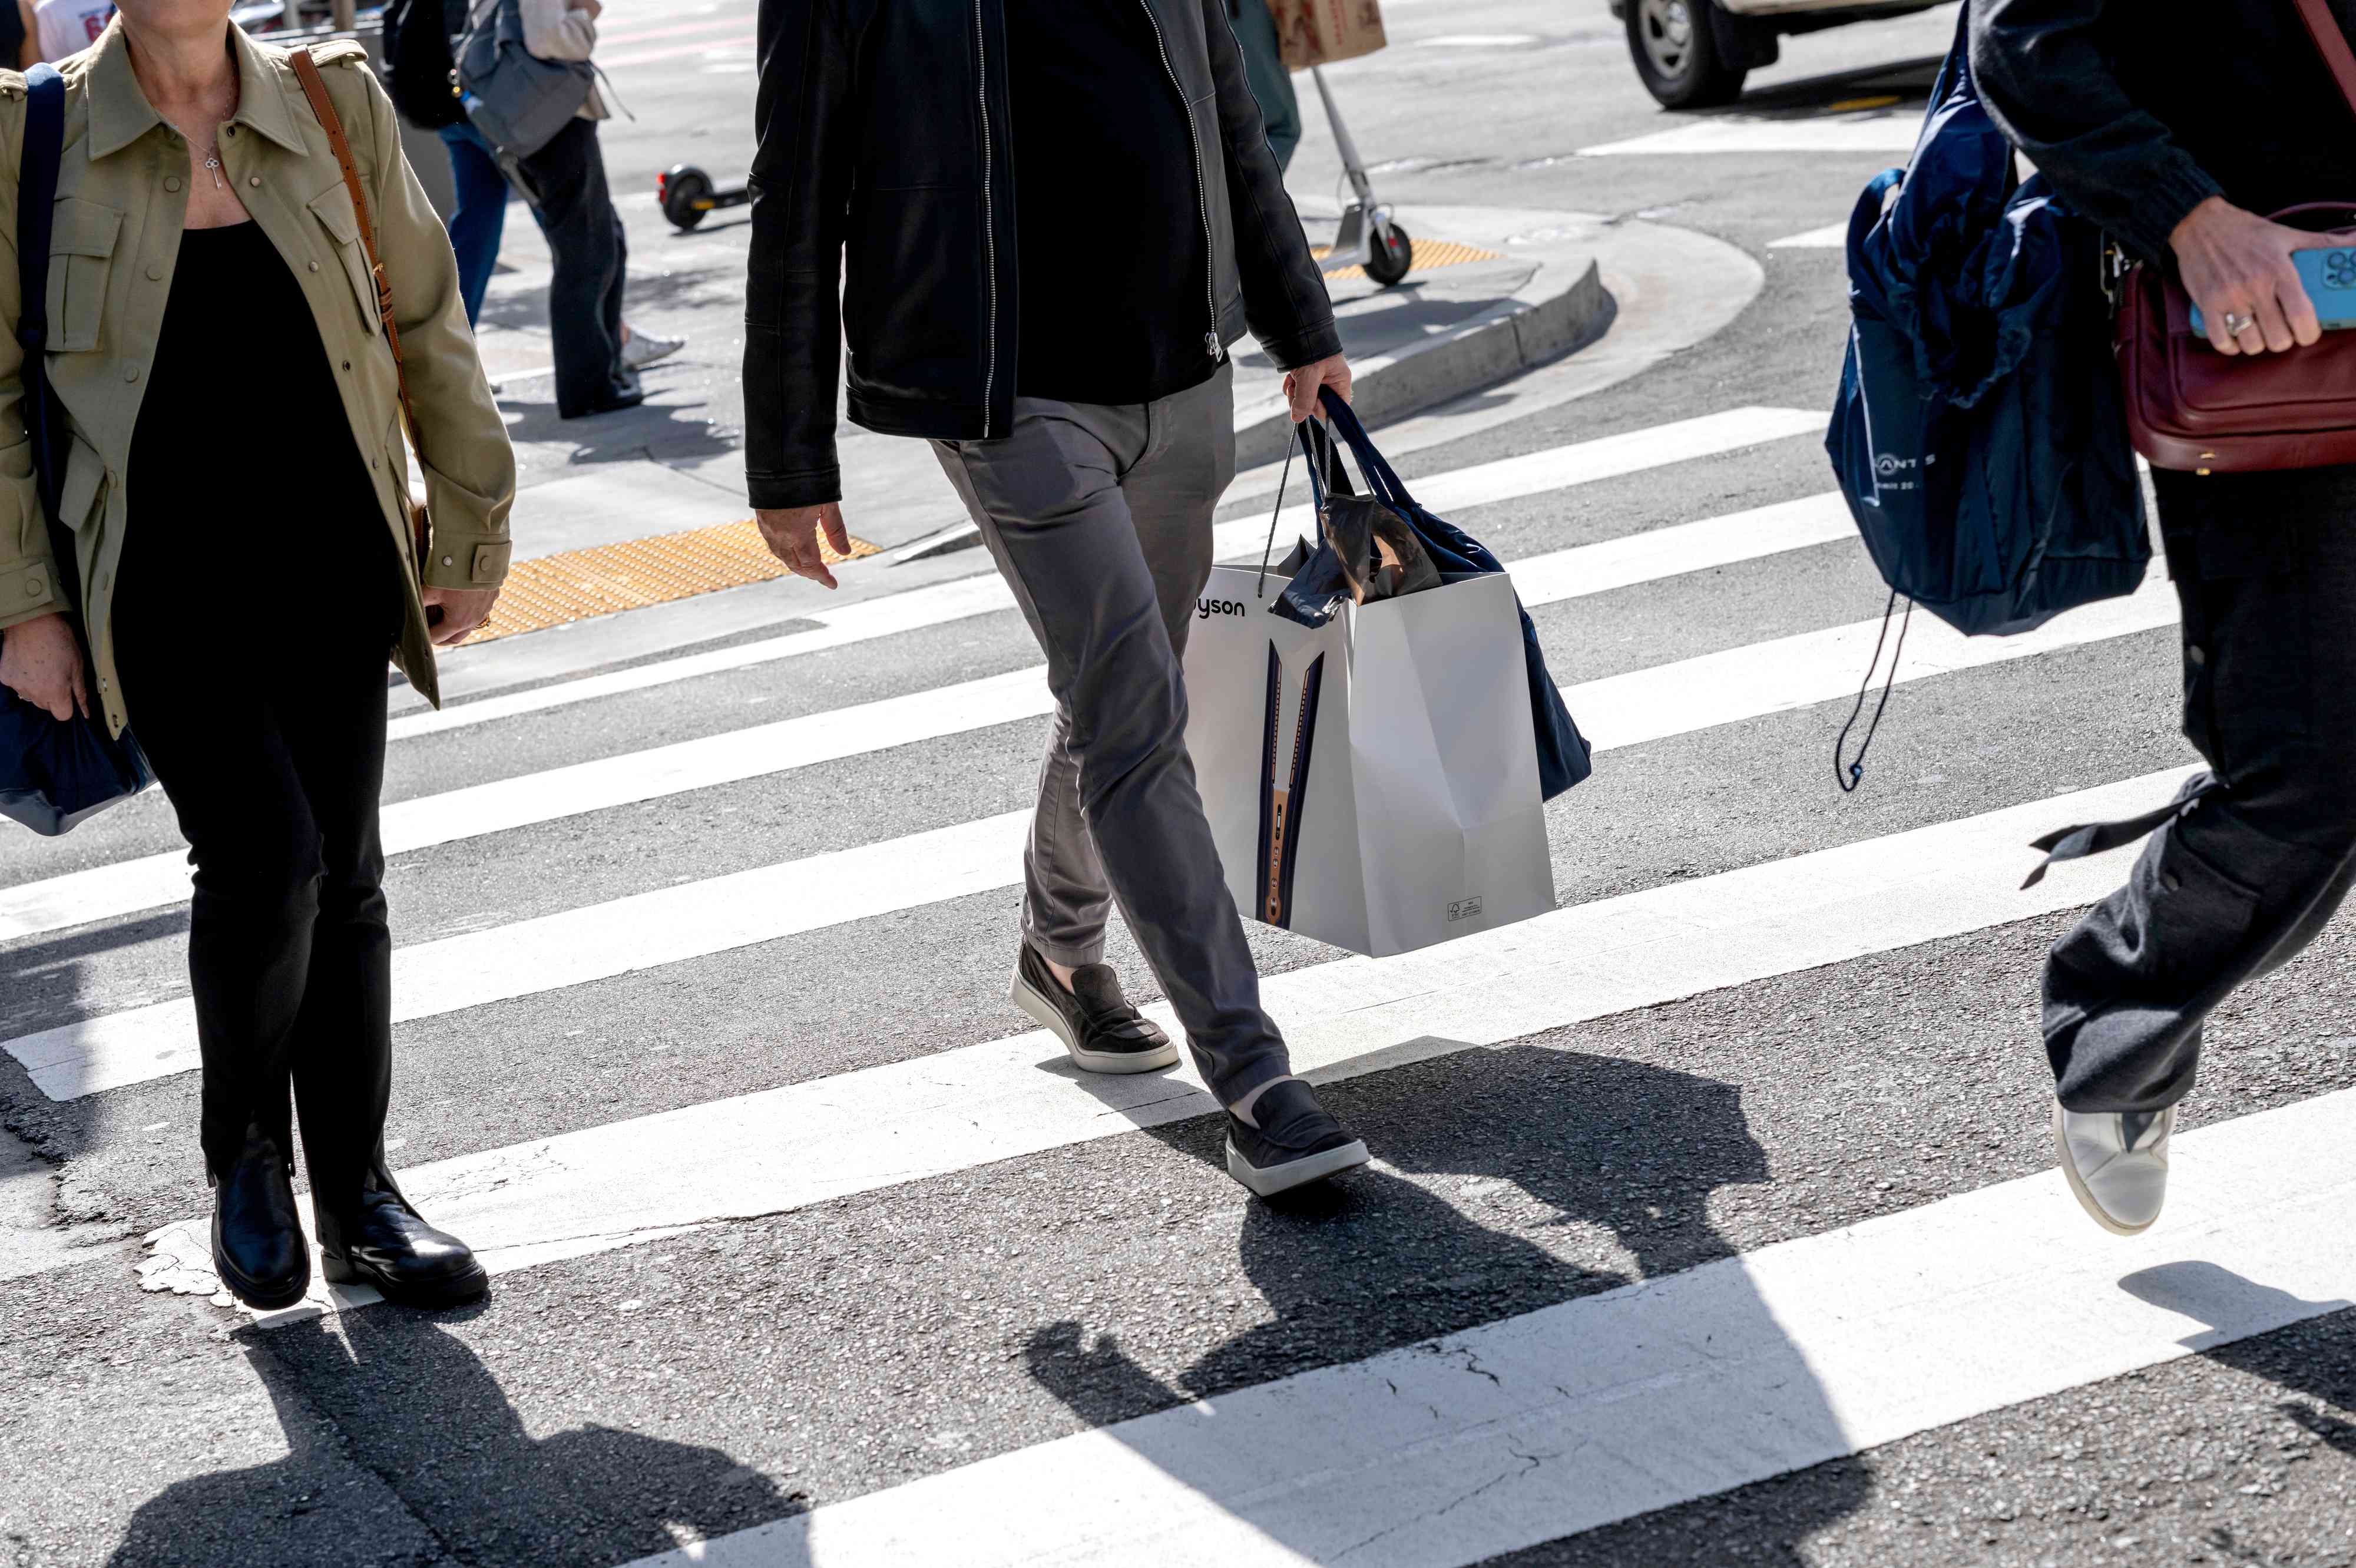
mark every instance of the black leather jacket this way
{"type": "Point", "coordinates": [2140, 110]}
{"type": "Point", "coordinates": [884, 132]}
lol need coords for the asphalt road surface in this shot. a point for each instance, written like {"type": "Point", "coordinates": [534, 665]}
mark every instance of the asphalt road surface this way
{"type": "Point", "coordinates": [1713, 1216]}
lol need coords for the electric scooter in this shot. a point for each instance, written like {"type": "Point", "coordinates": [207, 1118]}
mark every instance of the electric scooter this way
{"type": "Point", "coordinates": [687, 194]}
{"type": "Point", "coordinates": [1368, 237]}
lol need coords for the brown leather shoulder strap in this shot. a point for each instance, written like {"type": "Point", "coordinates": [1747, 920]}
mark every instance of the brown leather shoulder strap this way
{"type": "Point", "coordinates": [315, 87]}
{"type": "Point", "coordinates": [2333, 44]}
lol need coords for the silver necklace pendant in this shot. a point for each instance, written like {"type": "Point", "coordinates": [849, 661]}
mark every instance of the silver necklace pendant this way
{"type": "Point", "coordinates": [214, 164]}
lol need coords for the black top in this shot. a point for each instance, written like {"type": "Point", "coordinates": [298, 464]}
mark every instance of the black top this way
{"type": "Point", "coordinates": [12, 36]}
{"type": "Point", "coordinates": [242, 416]}
{"type": "Point", "coordinates": [2140, 110]}
{"type": "Point", "coordinates": [1116, 302]}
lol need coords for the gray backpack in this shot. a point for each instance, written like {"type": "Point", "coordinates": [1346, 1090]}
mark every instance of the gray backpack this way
{"type": "Point", "coordinates": [517, 100]}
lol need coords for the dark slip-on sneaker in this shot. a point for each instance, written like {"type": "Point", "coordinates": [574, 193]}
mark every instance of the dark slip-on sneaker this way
{"type": "Point", "coordinates": [1297, 1141]}
{"type": "Point", "coordinates": [1098, 1027]}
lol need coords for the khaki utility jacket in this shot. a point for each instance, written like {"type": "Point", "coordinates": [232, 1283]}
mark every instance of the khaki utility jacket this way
{"type": "Point", "coordinates": [122, 201]}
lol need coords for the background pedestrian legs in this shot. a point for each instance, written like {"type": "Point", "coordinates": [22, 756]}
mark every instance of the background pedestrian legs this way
{"type": "Point", "coordinates": [585, 296]}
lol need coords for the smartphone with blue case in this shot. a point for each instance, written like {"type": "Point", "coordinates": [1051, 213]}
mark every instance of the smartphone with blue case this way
{"type": "Point", "coordinates": [2331, 279]}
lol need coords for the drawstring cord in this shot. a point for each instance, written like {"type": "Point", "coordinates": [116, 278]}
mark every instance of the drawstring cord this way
{"type": "Point", "coordinates": [1850, 775]}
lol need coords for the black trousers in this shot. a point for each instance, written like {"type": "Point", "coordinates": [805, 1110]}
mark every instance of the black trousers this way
{"type": "Point", "coordinates": [2264, 850]}
{"type": "Point", "coordinates": [575, 209]}
{"type": "Point", "coordinates": [272, 752]}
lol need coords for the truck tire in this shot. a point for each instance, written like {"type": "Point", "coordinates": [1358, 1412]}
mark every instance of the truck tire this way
{"type": "Point", "coordinates": [1676, 47]}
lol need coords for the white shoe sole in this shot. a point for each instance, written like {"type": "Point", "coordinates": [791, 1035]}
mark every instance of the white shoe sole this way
{"type": "Point", "coordinates": [2078, 1188]}
{"type": "Point", "coordinates": [1048, 1016]}
{"type": "Point", "coordinates": [1293, 1172]}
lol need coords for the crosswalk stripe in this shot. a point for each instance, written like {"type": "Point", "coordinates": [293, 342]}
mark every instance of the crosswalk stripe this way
{"type": "Point", "coordinates": [1657, 1394]}
{"type": "Point", "coordinates": [718, 914]}
{"type": "Point", "coordinates": [1831, 237]}
{"type": "Point", "coordinates": [1871, 133]}
{"type": "Point", "coordinates": [157, 881]}
{"type": "Point", "coordinates": [1583, 462]}
{"type": "Point", "coordinates": [606, 1186]}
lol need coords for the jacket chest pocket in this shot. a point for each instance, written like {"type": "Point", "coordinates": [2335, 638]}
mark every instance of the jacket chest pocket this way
{"type": "Point", "coordinates": [82, 255]}
{"type": "Point", "coordinates": [333, 208]}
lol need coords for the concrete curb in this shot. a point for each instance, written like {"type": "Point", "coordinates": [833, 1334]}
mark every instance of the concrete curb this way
{"type": "Point", "coordinates": [1561, 315]}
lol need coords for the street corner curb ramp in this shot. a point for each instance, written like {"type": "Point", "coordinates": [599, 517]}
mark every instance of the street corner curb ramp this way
{"type": "Point", "coordinates": [1562, 306]}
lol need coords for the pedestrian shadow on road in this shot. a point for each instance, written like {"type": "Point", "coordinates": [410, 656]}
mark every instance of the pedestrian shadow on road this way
{"type": "Point", "coordinates": [1628, 1153]}
{"type": "Point", "coordinates": [2317, 1361]}
{"type": "Point", "coordinates": [403, 1447]}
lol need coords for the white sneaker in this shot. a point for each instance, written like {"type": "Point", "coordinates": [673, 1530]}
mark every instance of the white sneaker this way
{"type": "Point", "coordinates": [2118, 1165]}
{"type": "Point", "coordinates": [645, 348]}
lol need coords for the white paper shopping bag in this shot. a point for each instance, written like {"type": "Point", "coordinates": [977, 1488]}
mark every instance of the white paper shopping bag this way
{"type": "Point", "coordinates": [1373, 783]}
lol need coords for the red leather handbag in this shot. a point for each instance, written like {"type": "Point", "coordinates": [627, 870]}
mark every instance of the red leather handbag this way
{"type": "Point", "coordinates": [2190, 407]}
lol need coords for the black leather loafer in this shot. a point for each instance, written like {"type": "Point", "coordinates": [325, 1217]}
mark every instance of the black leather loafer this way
{"type": "Point", "coordinates": [1098, 1027]}
{"type": "Point", "coordinates": [378, 1239]}
{"type": "Point", "coordinates": [258, 1247]}
{"type": "Point", "coordinates": [1297, 1141]}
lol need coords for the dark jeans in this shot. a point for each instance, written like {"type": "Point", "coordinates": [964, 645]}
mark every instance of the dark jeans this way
{"type": "Point", "coordinates": [567, 179]}
{"type": "Point", "coordinates": [1099, 518]}
{"type": "Point", "coordinates": [481, 219]}
{"type": "Point", "coordinates": [274, 769]}
{"type": "Point", "coordinates": [2244, 877]}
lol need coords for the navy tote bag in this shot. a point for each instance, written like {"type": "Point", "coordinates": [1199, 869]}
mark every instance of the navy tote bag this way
{"type": "Point", "coordinates": [54, 773]}
{"type": "Point", "coordinates": [1564, 757]}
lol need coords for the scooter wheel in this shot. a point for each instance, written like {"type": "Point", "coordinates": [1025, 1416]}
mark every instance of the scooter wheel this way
{"type": "Point", "coordinates": [1394, 255]}
{"type": "Point", "coordinates": [684, 189]}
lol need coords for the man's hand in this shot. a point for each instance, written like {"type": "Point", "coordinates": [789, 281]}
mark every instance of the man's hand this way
{"type": "Point", "coordinates": [2235, 263]}
{"type": "Point", "coordinates": [791, 534]}
{"type": "Point", "coordinates": [41, 661]}
{"type": "Point", "coordinates": [1300, 386]}
{"type": "Point", "coordinates": [462, 609]}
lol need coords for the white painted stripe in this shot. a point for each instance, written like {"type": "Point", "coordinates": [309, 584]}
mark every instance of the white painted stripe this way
{"type": "Point", "coordinates": [1613, 1405]}
{"type": "Point", "coordinates": [1831, 237]}
{"type": "Point", "coordinates": [161, 880]}
{"type": "Point", "coordinates": [1584, 462]}
{"type": "Point", "coordinates": [783, 1148]}
{"type": "Point", "coordinates": [698, 918]}
{"type": "Point", "coordinates": [1864, 133]}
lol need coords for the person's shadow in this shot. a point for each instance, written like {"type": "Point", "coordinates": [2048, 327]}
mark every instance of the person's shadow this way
{"type": "Point", "coordinates": [1373, 1264]}
{"type": "Point", "coordinates": [406, 1431]}
{"type": "Point", "coordinates": [2240, 1314]}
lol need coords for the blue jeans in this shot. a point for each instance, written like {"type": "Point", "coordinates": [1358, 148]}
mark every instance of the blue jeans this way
{"type": "Point", "coordinates": [482, 212]}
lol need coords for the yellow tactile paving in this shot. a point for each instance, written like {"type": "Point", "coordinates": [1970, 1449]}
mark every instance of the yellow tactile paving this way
{"type": "Point", "coordinates": [554, 589]}
{"type": "Point", "coordinates": [1429, 253]}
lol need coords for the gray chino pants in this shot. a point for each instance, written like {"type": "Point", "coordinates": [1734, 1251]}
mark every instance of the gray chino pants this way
{"type": "Point", "coordinates": [1099, 518]}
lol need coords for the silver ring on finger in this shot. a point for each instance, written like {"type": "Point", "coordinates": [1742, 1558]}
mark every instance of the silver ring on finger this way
{"type": "Point", "coordinates": [2236, 323]}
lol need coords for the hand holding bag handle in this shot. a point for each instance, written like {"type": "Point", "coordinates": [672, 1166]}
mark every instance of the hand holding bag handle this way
{"type": "Point", "coordinates": [315, 87]}
{"type": "Point", "coordinates": [2190, 407]}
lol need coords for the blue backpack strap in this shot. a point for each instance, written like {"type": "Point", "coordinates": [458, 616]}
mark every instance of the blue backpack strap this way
{"type": "Point", "coordinates": [37, 193]}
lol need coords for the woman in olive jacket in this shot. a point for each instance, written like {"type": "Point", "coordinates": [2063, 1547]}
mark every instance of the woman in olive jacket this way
{"type": "Point", "coordinates": [207, 279]}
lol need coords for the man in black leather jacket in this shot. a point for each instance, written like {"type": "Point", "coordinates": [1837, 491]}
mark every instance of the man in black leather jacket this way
{"type": "Point", "coordinates": [2175, 124]}
{"type": "Point", "coordinates": [1059, 216]}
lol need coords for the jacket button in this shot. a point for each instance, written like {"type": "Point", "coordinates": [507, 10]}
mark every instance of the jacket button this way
{"type": "Point", "coordinates": [33, 589]}
{"type": "Point", "coordinates": [172, 182]}
{"type": "Point", "coordinates": [374, 463]}
{"type": "Point", "coordinates": [2170, 883]}
{"type": "Point", "coordinates": [445, 560]}
{"type": "Point", "coordinates": [348, 364]}
{"type": "Point", "coordinates": [130, 372]}
{"type": "Point", "coordinates": [315, 266]}
{"type": "Point", "coordinates": [155, 274]}
{"type": "Point", "coordinates": [254, 180]}
{"type": "Point", "coordinates": [2198, 655]}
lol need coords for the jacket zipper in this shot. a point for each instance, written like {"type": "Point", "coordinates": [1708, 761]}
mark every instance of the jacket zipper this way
{"type": "Point", "coordinates": [988, 216]}
{"type": "Point", "coordinates": [1211, 344]}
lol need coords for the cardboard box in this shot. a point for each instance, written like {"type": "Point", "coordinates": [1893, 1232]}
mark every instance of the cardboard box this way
{"type": "Point", "coordinates": [1319, 32]}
